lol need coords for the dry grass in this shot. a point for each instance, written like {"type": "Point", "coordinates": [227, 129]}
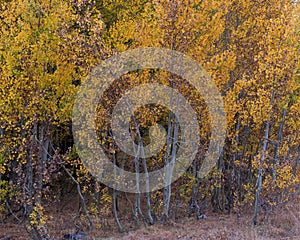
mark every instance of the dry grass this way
{"type": "Point", "coordinates": [284, 223]}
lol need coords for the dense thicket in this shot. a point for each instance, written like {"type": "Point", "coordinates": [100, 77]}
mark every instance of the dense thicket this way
{"type": "Point", "coordinates": [48, 47]}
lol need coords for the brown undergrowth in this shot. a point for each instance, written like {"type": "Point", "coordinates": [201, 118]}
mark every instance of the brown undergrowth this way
{"type": "Point", "coordinates": [282, 223]}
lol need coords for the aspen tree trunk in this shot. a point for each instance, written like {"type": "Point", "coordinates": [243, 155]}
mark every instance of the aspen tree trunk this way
{"type": "Point", "coordinates": [141, 149]}
{"type": "Point", "coordinates": [115, 201]}
{"type": "Point", "coordinates": [137, 207]}
{"type": "Point", "coordinates": [43, 143]}
{"type": "Point", "coordinates": [227, 187]}
{"type": "Point", "coordinates": [29, 191]}
{"type": "Point", "coordinates": [278, 143]}
{"type": "Point", "coordinates": [115, 194]}
{"type": "Point", "coordinates": [170, 149]}
{"type": "Point", "coordinates": [121, 175]}
{"type": "Point", "coordinates": [166, 161]}
{"type": "Point", "coordinates": [232, 168]}
{"type": "Point", "coordinates": [260, 170]}
{"type": "Point", "coordinates": [115, 211]}
{"type": "Point", "coordinates": [167, 192]}
{"type": "Point", "coordinates": [137, 203]}
{"type": "Point", "coordinates": [148, 198]}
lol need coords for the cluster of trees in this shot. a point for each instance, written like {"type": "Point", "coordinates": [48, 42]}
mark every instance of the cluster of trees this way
{"type": "Point", "coordinates": [47, 49]}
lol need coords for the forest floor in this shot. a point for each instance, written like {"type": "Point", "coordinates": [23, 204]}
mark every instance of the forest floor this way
{"type": "Point", "coordinates": [284, 223]}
